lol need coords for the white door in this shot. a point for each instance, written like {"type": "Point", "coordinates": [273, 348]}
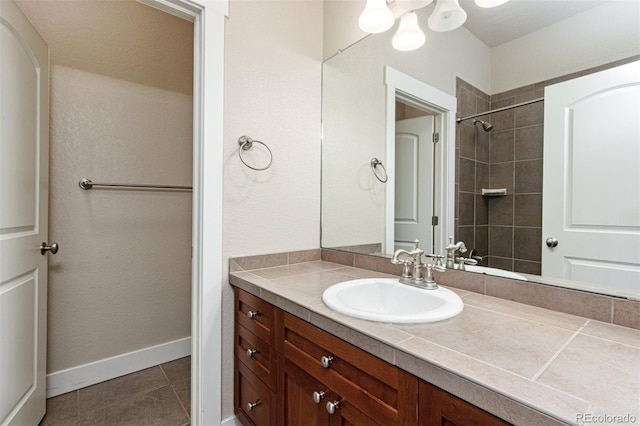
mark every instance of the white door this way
{"type": "Point", "coordinates": [414, 183]}
{"type": "Point", "coordinates": [591, 201]}
{"type": "Point", "coordinates": [24, 179]}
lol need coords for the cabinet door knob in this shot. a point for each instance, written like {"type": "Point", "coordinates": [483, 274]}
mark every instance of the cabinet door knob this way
{"type": "Point", "coordinates": [332, 406]}
{"type": "Point", "coordinates": [252, 314]}
{"type": "Point", "coordinates": [317, 396]}
{"type": "Point", "coordinates": [252, 405]}
{"type": "Point", "coordinates": [251, 352]}
{"type": "Point", "coordinates": [326, 361]}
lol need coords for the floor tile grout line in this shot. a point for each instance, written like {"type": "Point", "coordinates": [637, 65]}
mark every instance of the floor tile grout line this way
{"type": "Point", "coordinates": [123, 400]}
{"type": "Point", "coordinates": [151, 389]}
{"type": "Point", "coordinates": [188, 412]}
{"type": "Point", "coordinates": [559, 351]}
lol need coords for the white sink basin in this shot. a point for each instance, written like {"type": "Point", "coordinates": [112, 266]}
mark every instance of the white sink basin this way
{"type": "Point", "coordinates": [386, 300]}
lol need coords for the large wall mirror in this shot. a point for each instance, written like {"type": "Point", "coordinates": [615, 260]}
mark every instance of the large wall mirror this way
{"type": "Point", "coordinates": [383, 174]}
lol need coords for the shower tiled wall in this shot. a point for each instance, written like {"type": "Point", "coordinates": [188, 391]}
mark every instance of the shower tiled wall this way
{"type": "Point", "coordinates": [515, 163]}
{"type": "Point", "coordinates": [472, 171]}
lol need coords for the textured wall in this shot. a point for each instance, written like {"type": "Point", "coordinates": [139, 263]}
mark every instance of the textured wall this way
{"type": "Point", "coordinates": [273, 54]}
{"type": "Point", "coordinates": [121, 280]}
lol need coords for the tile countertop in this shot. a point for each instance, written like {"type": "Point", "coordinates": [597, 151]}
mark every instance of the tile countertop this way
{"type": "Point", "coordinates": [525, 364]}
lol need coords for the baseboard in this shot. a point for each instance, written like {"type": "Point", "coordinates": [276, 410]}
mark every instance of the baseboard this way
{"type": "Point", "coordinates": [71, 379]}
{"type": "Point", "coordinates": [231, 421]}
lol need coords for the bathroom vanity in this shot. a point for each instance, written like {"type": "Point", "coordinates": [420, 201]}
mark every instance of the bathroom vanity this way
{"type": "Point", "coordinates": [498, 362]}
{"type": "Point", "coordinates": [297, 374]}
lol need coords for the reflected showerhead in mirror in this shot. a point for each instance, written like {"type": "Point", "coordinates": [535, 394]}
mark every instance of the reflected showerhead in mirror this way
{"type": "Point", "coordinates": [485, 125]}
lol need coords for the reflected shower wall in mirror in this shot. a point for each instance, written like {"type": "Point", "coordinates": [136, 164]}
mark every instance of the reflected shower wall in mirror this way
{"type": "Point", "coordinates": [506, 230]}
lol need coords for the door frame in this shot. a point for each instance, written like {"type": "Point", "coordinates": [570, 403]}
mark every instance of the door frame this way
{"type": "Point", "coordinates": [414, 91]}
{"type": "Point", "coordinates": [208, 18]}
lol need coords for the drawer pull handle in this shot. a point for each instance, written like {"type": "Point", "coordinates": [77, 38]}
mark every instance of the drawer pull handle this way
{"type": "Point", "coordinates": [252, 405]}
{"type": "Point", "coordinates": [326, 361]}
{"type": "Point", "coordinates": [332, 406]}
{"type": "Point", "coordinates": [317, 397]}
{"type": "Point", "coordinates": [251, 352]}
{"type": "Point", "coordinates": [252, 314]}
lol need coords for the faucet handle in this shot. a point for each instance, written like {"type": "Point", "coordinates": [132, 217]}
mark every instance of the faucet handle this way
{"type": "Point", "coordinates": [437, 257]}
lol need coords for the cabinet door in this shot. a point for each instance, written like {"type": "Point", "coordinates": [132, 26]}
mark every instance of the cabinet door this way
{"type": "Point", "coordinates": [347, 414]}
{"type": "Point", "coordinates": [439, 408]}
{"type": "Point", "coordinates": [254, 401]}
{"type": "Point", "coordinates": [296, 405]}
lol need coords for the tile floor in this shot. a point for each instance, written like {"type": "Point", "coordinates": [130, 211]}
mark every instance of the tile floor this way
{"type": "Point", "coordinates": [158, 396]}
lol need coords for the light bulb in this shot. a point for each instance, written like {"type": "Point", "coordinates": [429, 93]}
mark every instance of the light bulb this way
{"type": "Point", "coordinates": [409, 35]}
{"type": "Point", "coordinates": [447, 16]}
{"type": "Point", "coordinates": [376, 17]}
{"type": "Point", "coordinates": [490, 3]}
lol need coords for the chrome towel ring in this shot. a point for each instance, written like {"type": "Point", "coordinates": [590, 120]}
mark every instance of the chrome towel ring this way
{"type": "Point", "coordinates": [374, 164]}
{"type": "Point", "coordinates": [246, 143]}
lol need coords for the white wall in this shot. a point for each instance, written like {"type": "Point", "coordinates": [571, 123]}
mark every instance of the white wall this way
{"type": "Point", "coordinates": [273, 54]}
{"type": "Point", "coordinates": [122, 278]}
{"type": "Point", "coordinates": [339, 30]}
{"type": "Point", "coordinates": [354, 97]}
{"type": "Point", "coordinates": [600, 35]}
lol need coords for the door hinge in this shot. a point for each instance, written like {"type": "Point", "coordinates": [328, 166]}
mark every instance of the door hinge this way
{"type": "Point", "coordinates": [436, 137]}
{"type": "Point", "coordinates": [434, 220]}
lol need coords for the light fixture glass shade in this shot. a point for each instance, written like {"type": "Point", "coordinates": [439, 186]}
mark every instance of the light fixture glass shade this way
{"type": "Point", "coordinates": [447, 16]}
{"type": "Point", "coordinates": [376, 17]}
{"type": "Point", "coordinates": [490, 3]}
{"type": "Point", "coordinates": [409, 35]}
{"type": "Point", "coordinates": [411, 5]}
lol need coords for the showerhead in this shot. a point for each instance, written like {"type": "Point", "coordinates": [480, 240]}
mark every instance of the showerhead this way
{"type": "Point", "coordinates": [485, 125]}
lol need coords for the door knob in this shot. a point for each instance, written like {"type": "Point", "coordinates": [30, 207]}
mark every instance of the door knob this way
{"type": "Point", "coordinates": [552, 242]}
{"type": "Point", "coordinates": [53, 248]}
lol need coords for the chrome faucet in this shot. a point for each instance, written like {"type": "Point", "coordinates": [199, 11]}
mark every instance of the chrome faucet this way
{"type": "Point", "coordinates": [451, 250]}
{"type": "Point", "coordinates": [412, 271]}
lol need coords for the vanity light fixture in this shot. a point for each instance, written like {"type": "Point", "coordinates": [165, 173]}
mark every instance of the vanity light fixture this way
{"type": "Point", "coordinates": [490, 3]}
{"type": "Point", "coordinates": [447, 16]}
{"type": "Point", "coordinates": [377, 17]}
{"type": "Point", "coordinates": [409, 35]}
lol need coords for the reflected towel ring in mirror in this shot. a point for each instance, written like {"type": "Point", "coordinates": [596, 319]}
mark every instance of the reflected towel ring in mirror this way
{"type": "Point", "coordinates": [374, 164]}
{"type": "Point", "coordinates": [246, 143]}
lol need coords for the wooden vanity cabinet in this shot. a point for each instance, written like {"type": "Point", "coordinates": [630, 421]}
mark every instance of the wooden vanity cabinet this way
{"type": "Point", "coordinates": [364, 389]}
{"type": "Point", "coordinates": [255, 366]}
{"type": "Point", "coordinates": [440, 408]}
{"type": "Point", "coordinates": [287, 370]}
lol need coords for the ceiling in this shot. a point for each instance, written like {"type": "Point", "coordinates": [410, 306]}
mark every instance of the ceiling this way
{"type": "Point", "coordinates": [516, 18]}
{"type": "Point", "coordinates": [126, 40]}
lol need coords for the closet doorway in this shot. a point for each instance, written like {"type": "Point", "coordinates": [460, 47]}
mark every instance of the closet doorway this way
{"type": "Point", "coordinates": [121, 112]}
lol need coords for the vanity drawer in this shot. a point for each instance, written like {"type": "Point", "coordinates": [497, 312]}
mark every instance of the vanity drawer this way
{"type": "Point", "coordinates": [255, 315]}
{"type": "Point", "coordinates": [254, 401]}
{"type": "Point", "coordinates": [375, 387]}
{"type": "Point", "coordinates": [257, 355]}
